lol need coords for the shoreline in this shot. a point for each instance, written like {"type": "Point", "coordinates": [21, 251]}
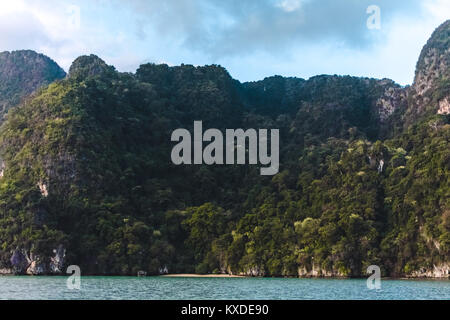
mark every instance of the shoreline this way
{"type": "Point", "coordinates": [195, 275]}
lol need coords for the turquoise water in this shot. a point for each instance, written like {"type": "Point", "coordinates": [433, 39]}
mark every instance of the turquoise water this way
{"type": "Point", "coordinates": [25, 287]}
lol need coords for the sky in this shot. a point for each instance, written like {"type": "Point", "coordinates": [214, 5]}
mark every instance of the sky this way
{"type": "Point", "coordinates": [252, 39]}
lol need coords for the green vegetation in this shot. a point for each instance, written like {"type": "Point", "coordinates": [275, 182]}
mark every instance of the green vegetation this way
{"type": "Point", "coordinates": [88, 167]}
{"type": "Point", "coordinates": [21, 73]}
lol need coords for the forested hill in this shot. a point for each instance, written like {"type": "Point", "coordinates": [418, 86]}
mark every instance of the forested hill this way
{"type": "Point", "coordinates": [21, 73]}
{"type": "Point", "coordinates": [364, 174]}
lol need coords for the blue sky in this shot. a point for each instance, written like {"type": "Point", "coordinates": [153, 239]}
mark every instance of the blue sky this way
{"type": "Point", "coordinates": [253, 39]}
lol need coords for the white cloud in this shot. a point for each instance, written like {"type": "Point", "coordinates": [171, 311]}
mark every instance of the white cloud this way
{"type": "Point", "coordinates": [289, 5]}
{"type": "Point", "coordinates": [253, 38]}
{"type": "Point", "coordinates": [439, 9]}
{"type": "Point", "coordinates": [51, 27]}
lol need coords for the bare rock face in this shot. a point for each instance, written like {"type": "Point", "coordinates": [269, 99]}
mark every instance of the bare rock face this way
{"type": "Point", "coordinates": [19, 262]}
{"type": "Point", "coordinates": [444, 106]}
{"type": "Point", "coordinates": [437, 271]}
{"type": "Point", "coordinates": [430, 92]}
{"type": "Point", "coordinates": [434, 64]}
{"type": "Point", "coordinates": [21, 73]}
{"type": "Point", "coordinates": [6, 271]}
{"type": "Point", "coordinates": [431, 83]}
{"type": "Point", "coordinates": [255, 271]}
{"type": "Point", "coordinates": [2, 168]}
{"type": "Point", "coordinates": [23, 262]}
{"type": "Point", "coordinates": [57, 261]}
{"type": "Point", "coordinates": [434, 60]}
{"type": "Point", "coordinates": [43, 188]}
{"type": "Point", "coordinates": [393, 98]}
{"type": "Point", "coordinates": [318, 272]}
{"type": "Point", "coordinates": [36, 267]}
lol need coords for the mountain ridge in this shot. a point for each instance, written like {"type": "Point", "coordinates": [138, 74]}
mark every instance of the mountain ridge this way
{"type": "Point", "coordinates": [87, 177]}
{"type": "Point", "coordinates": [21, 73]}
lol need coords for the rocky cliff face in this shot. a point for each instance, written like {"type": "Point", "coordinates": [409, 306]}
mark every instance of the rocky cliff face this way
{"type": "Point", "coordinates": [444, 106]}
{"type": "Point", "coordinates": [21, 73]}
{"type": "Point", "coordinates": [437, 271]}
{"type": "Point", "coordinates": [430, 91]}
{"type": "Point", "coordinates": [27, 262]}
{"type": "Point", "coordinates": [393, 98]}
{"type": "Point", "coordinates": [434, 61]}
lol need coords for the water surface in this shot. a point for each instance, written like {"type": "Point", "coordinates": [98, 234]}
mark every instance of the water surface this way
{"type": "Point", "coordinates": [160, 288]}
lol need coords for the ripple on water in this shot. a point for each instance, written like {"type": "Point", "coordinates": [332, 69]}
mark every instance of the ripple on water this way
{"type": "Point", "coordinates": [25, 287]}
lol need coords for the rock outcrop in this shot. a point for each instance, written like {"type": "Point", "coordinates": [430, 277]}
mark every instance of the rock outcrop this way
{"type": "Point", "coordinates": [434, 61]}
{"type": "Point", "coordinates": [57, 261]}
{"type": "Point", "coordinates": [88, 66]}
{"type": "Point", "coordinates": [444, 106]}
{"type": "Point", "coordinates": [437, 271]}
{"type": "Point", "coordinates": [19, 262]}
{"type": "Point", "coordinates": [392, 99]}
{"type": "Point", "coordinates": [315, 272]}
{"type": "Point", "coordinates": [23, 262]}
{"type": "Point", "coordinates": [430, 90]}
{"type": "Point", "coordinates": [21, 73]}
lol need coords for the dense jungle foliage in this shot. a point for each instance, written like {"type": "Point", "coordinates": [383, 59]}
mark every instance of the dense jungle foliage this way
{"type": "Point", "coordinates": [21, 73]}
{"type": "Point", "coordinates": [87, 165]}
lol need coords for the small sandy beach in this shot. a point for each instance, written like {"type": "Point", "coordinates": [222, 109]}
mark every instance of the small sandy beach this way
{"type": "Point", "coordinates": [193, 275]}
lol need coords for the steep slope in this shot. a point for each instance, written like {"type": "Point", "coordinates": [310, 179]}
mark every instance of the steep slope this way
{"type": "Point", "coordinates": [88, 178]}
{"type": "Point", "coordinates": [430, 93]}
{"type": "Point", "coordinates": [434, 61]}
{"type": "Point", "coordinates": [21, 73]}
{"type": "Point", "coordinates": [362, 103]}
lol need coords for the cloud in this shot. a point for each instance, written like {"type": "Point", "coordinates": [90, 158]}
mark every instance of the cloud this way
{"type": "Point", "coordinates": [440, 9]}
{"type": "Point", "coordinates": [29, 32]}
{"type": "Point", "coordinates": [64, 30]}
{"type": "Point", "coordinates": [289, 5]}
{"type": "Point", "coordinates": [233, 27]}
{"type": "Point", "coordinates": [251, 38]}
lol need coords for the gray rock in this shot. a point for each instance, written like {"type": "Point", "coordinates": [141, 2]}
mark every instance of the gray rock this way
{"type": "Point", "coordinates": [57, 261]}
{"type": "Point", "coordinates": [36, 267]}
{"type": "Point", "coordinates": [19, 262]}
